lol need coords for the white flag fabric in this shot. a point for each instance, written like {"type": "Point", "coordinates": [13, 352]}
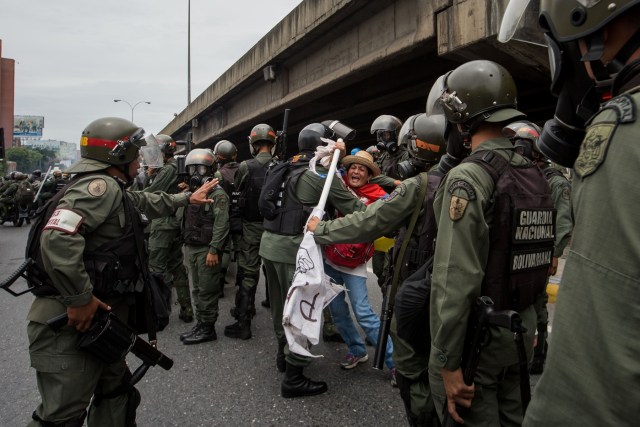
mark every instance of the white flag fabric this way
{"type": "Point", "coordinates": [311, 290]}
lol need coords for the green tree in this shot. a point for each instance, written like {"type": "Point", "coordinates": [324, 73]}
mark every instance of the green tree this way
{"type": "Point", "coordinates": [49, 157]}
{"type": "Point", "coordinates": [26, 159]}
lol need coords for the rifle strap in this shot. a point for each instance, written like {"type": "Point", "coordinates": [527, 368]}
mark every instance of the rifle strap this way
{"type": "Point", "coordinates": [131, 215]}
{"type": "Point", "coordinates": [407, 237]}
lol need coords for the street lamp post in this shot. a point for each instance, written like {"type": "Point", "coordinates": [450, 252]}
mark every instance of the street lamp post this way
{"type": "Point", "coordinates": [130, 106]}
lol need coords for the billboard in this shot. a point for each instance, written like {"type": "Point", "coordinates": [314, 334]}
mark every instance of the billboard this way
{"type": "Point", "coordinates": [28, 125]}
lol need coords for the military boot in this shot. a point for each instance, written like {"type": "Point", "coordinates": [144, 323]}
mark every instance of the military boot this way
{"type": "Point", "coordinates": [207, 332]}
{"type": "Point", "coordinates": [295, 384]}
{"type": "Point", "coordinates": [242, 328]}
{"type": "Point", "coordinates": [193, 330]}
{"type": "Point", "coordinates": [184, 299]}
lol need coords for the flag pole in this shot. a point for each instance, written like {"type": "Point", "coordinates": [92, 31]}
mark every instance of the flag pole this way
{"type": "Point", "coordinates": [327, 185]}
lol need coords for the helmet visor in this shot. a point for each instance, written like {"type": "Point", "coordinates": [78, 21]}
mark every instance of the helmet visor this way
{"type": "Point", "coordinates": [512, 16]}
{"type": "Point", "coordinates": [151, 153]}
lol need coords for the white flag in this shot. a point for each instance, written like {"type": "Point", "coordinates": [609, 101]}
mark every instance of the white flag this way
{"type": "Point", "coordinates": [311, 291]}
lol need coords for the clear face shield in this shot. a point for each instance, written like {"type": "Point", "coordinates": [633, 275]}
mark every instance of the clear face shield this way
{"type": "Point", "coordinates": [151, 154]}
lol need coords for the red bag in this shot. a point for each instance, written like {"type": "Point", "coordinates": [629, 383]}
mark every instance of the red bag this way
{"type": "Point", "coordinates": [349, 255]}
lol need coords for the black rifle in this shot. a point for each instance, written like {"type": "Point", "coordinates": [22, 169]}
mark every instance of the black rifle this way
{"type": "Point", "coordinates": [281, 139]}
{"type": "Point", "coordinates": [110, 340]}
{"type": "Point", "coordinates": [482, 318]}
{"type": "Point", "coordinates": [22, 271]}
{"type": "Point", "coordinates": [386, 314]}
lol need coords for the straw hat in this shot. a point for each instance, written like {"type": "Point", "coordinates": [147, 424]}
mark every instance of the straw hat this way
{"type": "Point", "coordinates": [362, 158]}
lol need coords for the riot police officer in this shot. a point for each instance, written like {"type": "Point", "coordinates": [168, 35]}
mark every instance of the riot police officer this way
{"type": "Point", "coordinates": [386, 128]}
{"type": "Point", "coordinates": [475, 207]}
{"type": "Point", "coordinates": [89, 224]}
{"type": "Point", "coordinates": [165, 238]}
{"type": "Point", "coordinates": [227, 167]}
{"type": "Point", "coordinates": [281, 239]}
{"type": "Point", "coordinates": [250, 179]}
{"type": "Point", "coordinates": [583, 383]}
{"type": "Point", "coordinates": [205, 233]}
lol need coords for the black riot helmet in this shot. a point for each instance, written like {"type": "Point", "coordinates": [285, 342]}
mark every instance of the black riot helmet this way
{"type": "Point", "coordinates": [167, 144]}
{"type": "Point", "coordinates": [385, 128]}
{"type": "Point", "coordinates": [424, 138]}
{"type": "Point", "coordinates": [310, 137]}
{"type": "Point", "coordinates": [225, 151]}
{"type": "Point", "coordinates": [524, 135]}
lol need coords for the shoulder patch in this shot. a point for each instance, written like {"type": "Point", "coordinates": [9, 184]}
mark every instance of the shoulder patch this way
{"type": "Point", "coordinates": [97, 187]}
{"type": "Point", "coordinates": [457, 208]}
{"type": "Point", "coordinates": [64, 220]}
{"type": "Point", "coordinates": [624, 107]}
{"type": "Point", "coordinates": [566, 192]}
{"type": "Point", "coordinates": [399, 191]}
{"type": "Point", "coordinates": [594, 148]}
{"type": "Point", "coordinates": [462, 189]}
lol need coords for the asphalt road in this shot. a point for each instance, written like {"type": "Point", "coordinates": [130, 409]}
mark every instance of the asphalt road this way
{"type": "Point", "coordinates": [222, 383]}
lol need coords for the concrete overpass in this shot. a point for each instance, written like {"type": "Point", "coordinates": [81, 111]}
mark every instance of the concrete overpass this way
{"type": "Point", "coordinates": [352, 60]}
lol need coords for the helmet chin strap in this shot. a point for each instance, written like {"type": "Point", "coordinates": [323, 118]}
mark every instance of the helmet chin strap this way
{"type": "Point", "coordinates": [125, 171]}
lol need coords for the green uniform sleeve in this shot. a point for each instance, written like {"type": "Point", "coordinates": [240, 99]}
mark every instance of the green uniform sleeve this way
{"type": "Point", "coordinates": [159, 204]}
{"type": "Point", "coordinates": [461, 207]}
{"type": "Point", "coordinates": [384, 181]}
{"type": "Point", "coordinates": [220, 211]}
{"type": "Point", "coordinates": [164, 180]}
{"type": "Point", "coordinates": [309, 190]}
{"type": "Point", "coordinates": [383, 217]}
{"type": "Point", "coordinates": [561, 193]}
{"type": "Point", "coordinates": [62, 251]}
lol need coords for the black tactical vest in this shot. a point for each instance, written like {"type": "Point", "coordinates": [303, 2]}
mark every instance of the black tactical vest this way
{"type": "Point", "coordinates": [198, 225]}
{"type": "Point", "coordinates": [522, 235]}
{"type": "Point", "coordinates": [292, 215]}
{"type": "Point", "coordinates": [421, 246]}
{"type": "Point", "coordinates": [112, 267]}
{"type": "Point", "coordinates": [228, 172]}
{"type": "Point", "coordinates": [248, 200]}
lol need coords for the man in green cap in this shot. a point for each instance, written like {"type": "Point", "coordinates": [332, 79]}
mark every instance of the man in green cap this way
{"type": "Point", "coordinates": [92, 220]}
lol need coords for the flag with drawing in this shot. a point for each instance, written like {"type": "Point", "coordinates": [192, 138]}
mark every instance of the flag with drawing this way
{"type": "Point", "coordinates": [311, 290]}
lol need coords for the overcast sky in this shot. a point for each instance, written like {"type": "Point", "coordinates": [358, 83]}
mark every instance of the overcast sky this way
{"type": "Point", "coordinates": [74, 57]}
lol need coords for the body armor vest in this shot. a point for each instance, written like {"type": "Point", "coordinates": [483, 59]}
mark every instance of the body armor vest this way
{"type": "Point", "coordinates": [292, 215]}
{"type": "Point", "coordinates": [421, 246]}
{"type": "Point", "coordinates": [198, 225]}
{"type": "Point", "coordinates": [228, 172]}
{"type": "Point", "coordinates": [522, 235]}
{"type": "Point", "coordinates": [248, 200]}
{"type": "Point", "coordinates": [112, 267]}
{"type": "Point", "coordinates": [389, 165]}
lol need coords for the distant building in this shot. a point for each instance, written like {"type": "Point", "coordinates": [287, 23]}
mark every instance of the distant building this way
{"type": "Point", "coordinates": [7, 84]}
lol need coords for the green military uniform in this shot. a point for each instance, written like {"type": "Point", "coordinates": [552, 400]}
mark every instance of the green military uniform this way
{"type": "Point", "coordinates": [592, 369]}
{"type": "Point", "coordinates": [461, 254]}
{"type": "Point", "coordinates": [93, 213]}
{"type": "Point", "coordinates": [233, 242]}
{"type": "Point", "coordinates": [6, 197]}
{"type": "Point", "coordinates": [249, 260]}
{"type": "Point", "coordinates": [165, 241]}
{"type": "Point", "coordinates": [385, 217]}
{"type": "Point", "coordinates": [279, 251]}
{"type": "Point", "coordinates": [47, 192]}
{"type": "Point", "coordinates": [207, 281]}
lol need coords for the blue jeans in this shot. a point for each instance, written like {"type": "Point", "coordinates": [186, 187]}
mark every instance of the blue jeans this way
{"type": "Point", "coordinates": [367, 319]}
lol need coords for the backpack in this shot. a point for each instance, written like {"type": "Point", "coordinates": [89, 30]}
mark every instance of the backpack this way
{"type": "Point", "coordinates": [273, 190]}
{"type": "Point", "coordinates": [25, 193]}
